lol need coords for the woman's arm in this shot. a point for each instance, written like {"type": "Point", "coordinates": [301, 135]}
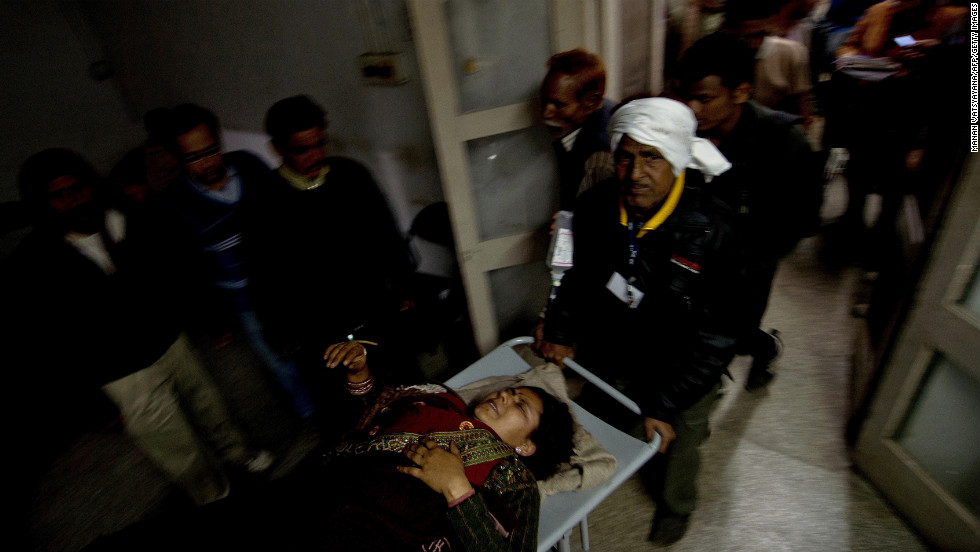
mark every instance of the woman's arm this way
{"type": "Point", "coordinates": [507, 502]}
{"type": "Point", "coordinates": [502, 516]}
{"type": "Point", "coordinates": [350, 399]}
{"type": "Point", "coordinates": [352, 355]}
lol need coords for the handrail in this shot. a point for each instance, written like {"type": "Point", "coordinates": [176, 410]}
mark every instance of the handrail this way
{"type": "Point", "coordinates": [513, 342]}
{"type": "Point", "coordinates": [601, 384]}
{"type": "Point", "coordinates": [581, 370]}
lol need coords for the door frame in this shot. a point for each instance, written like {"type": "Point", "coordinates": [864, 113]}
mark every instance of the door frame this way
{"type": "Point", "coordinates": [589, 24]}
{"type": "Point", "coordinates": [450, 132]}
{"type": "Point", "coordinates": [936, 324]}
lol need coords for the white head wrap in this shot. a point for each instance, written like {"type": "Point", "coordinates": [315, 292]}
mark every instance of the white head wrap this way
{"type": "Point", "coordinates": [669, 126]}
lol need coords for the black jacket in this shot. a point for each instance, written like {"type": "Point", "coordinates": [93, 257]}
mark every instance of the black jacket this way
{"type": "Point", "coordinates": [775, 185]}
{"type": "Point", "coordinates": [673, 348]}
{"type": "Point", "coordinates": [332, 258]}
{"type": "Point", "coordinates": [195, 225]}
{"type": "Point", "coordinates": [593, 137]}
{"type": "Point", "coordinates": [83, 328]}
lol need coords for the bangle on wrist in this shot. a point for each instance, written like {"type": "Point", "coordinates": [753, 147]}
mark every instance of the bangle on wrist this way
{"type": "Point", "coordinates": [361, 388]}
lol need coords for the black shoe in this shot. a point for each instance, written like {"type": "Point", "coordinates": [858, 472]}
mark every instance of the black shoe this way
{"type": "Point", "coordinates": [668, 527]}
{"type": "Point", "coordinates": [761, 372]}
{"type": "Point", "coordinates": [758, 379]}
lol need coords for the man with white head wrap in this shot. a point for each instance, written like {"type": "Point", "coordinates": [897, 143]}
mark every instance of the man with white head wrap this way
{"type": "Point", "coordinates": [650, 301]}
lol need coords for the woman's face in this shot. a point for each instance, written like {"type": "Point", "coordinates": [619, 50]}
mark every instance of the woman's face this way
{"type": "Point", "coordinates": [513, 414]}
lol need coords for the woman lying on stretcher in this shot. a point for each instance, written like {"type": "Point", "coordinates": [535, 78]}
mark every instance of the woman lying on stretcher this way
{"type": "Point", "coordinates": [422, 472]}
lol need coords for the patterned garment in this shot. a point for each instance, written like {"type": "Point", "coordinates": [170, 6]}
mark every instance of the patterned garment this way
{"type": "Point", "coordinates": [476, 445]}
{"type": "Point", "coordinates": [501, 515]}
{"type": "Point", "coordinates": [402, 415]}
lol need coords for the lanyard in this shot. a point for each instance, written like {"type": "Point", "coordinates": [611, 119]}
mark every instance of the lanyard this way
{"type": "Point", "coordinates": [634, 250]}
{"type": "Point", "coordinates": [636, 230]}
{"type": "Point", "coordinates": [632, 243]}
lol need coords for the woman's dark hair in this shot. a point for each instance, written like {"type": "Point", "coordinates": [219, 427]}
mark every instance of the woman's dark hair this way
{"type": "Point", "coordinates": [552, 438]}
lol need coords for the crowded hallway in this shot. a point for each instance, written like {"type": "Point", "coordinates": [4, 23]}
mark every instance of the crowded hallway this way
{"type": "Point", "coordinates": [239, 240]}
{"type": "Point", "coordinates": [778, 474]}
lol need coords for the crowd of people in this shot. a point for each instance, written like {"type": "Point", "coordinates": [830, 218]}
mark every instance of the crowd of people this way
{"type": "Point", "coordinates": [684, 205]}
{"type": "Point", "coordinates": [120, 278]}
{"type": "Point", "coordinates": [715, 182]}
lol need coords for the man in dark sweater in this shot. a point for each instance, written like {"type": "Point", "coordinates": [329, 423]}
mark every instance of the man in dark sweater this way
{"type": "Point", "coordinates": [335, 262]}
{"type": "Point", "coordinates": [220, 216]}
{"type": "Point", "coordinates": [775, 186]}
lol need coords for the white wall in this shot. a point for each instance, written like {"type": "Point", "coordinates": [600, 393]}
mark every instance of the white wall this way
{"type": "Point", "coordinates": [47, 98]}
{"type": "Point", "coordinates": [235, 57]}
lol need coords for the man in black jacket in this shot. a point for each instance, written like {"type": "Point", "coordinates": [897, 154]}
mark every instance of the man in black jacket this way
{"type": "Point", "coordinates": [96, 310]}
{"type": "Point", "coordinates": [335, 261]}
{"type": "Point", "coordinates": [576, 115]}
{"type": "Point", "coordinates": [650, 300]}
{"type": "Point", "coordinates": [775, 185]}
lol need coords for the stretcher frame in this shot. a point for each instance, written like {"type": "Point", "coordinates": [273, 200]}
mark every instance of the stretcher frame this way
{"type": "Point", "coordinates": [561, 512]}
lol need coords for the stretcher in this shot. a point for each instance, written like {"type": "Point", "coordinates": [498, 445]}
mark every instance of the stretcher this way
{"type": "Point", "coordinates": [561, 512]}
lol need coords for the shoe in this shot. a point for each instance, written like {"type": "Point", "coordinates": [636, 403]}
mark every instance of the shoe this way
{"type": "Point", "coordinates": [761, 372]}
{"type": "Point", "coordinates": [758, 379]}
{"type": "Point", "coordinates": [668, 527]}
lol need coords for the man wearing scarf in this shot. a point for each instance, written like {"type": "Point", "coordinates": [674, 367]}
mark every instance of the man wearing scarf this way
{"type": "Point", "coordinates": [650, 301]}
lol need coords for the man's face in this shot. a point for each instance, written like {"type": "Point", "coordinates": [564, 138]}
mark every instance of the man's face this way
{"type": "Point", "coordinates": [513, 414]}
{"type": "Point", "coordinates": [305, 152]}
{"type": "Point", "coordinates": [73, 205]}
{"type": "Point", "coordinates": [716, 106]}
{"type": "Point", "coordinates": [645, 176]}
{"type": "Point", "coordinates": [201, 155]}
{"type": "Point", "coordinates": [561, 109]}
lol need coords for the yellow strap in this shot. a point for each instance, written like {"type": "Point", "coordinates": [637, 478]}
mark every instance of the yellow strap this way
{"type": "Point", "coordinates": [668, 206]}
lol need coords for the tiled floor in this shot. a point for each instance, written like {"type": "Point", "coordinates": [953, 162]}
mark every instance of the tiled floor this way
{"type": "Point", "coordinates": [776, 472]}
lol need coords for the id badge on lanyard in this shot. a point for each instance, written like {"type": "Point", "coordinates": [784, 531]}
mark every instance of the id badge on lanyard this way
{"type": "Point", "coordinates": [622, 287]}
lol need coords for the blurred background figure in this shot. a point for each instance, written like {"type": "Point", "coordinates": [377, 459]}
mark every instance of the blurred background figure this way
{"type": "Point", "coordinates": [145, 172]}
{"type": "Point", "coordinates": [797, 20]}
{"type": "Point", "coordinates": [219, 213]}
{"type": "Point", "coordinates": [576, 114]}
{"type": "Point", "coordinates": [774, 186]}
{"type": "Point", "coordinates": [782, 66]}
{"type": "Point", "coordinates": [98, 309]}
{"type": "Point", "coordinates": [884, 107]}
